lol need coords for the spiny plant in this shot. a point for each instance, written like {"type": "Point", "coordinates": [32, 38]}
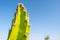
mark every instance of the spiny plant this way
{"type": "Point", "coordinates": [20, 24]}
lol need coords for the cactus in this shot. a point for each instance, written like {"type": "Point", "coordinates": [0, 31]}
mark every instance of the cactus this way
{"type": "Point", "coordinates": [47, 38]}
{"type": "Point", "coordinates": [20, 25]}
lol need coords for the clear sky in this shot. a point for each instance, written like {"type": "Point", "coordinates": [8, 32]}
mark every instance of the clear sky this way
{"type": "Point", "coordinates": [44, 18]}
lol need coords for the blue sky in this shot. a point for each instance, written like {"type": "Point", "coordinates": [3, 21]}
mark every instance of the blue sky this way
{"type": "Point", "coordinates": [44, 18]}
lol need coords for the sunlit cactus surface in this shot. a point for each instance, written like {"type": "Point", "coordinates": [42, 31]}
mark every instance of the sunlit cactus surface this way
{"type": "Point", "coordinates": [20, 24]}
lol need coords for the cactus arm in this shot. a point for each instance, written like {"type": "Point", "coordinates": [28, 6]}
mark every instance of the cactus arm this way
{"type": "Point", "coordinates": [20, 25]}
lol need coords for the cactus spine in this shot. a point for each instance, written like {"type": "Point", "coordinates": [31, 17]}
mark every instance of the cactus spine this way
{"type": "Point", "coordinates": [20, 25]}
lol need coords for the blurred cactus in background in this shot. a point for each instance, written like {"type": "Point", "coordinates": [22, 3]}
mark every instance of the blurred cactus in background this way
{"type": "Point", "coordinates": [47, 38]}
{"type": "Point", "coordinates": [20, 25]}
